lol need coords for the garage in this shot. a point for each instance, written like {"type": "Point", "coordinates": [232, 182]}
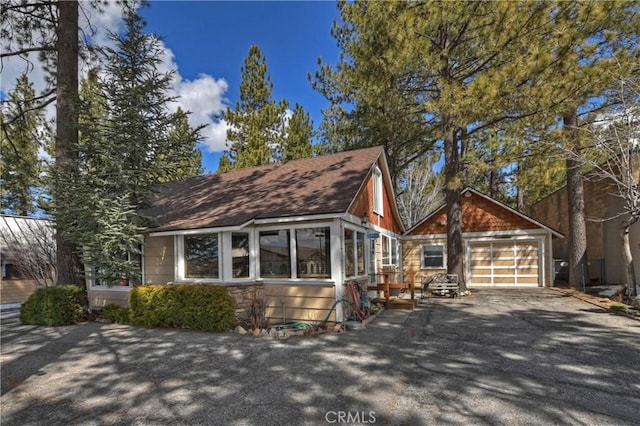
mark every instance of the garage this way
{"type": "Point", "coordinates": [502, 247]}
{"type": "Point", "coordinates": [503, 263]}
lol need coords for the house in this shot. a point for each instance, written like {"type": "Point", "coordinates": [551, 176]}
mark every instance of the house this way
{"type": "Point", "coordinates": [27, 257]}
{"type": "Point", "coordinates": [288, 235]}
{"type": "Point", "coordinates": [603, 210]}
{"type": "Point", "coordinates": [502, 247]}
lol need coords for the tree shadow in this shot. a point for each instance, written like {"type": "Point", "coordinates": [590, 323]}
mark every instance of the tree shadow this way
{"type": "Point", "coordinates": [486, 360]}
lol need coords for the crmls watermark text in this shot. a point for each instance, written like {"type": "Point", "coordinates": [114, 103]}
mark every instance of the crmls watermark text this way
{"type": "Point", "coordinates": [350, 417]}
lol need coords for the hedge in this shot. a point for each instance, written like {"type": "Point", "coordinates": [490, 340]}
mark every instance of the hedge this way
{"type": "Point", "coordinates": [198, 306]}
{"type": "Point", "coordinates": [116, 313]}
{"type": "Point", "coordinates": [53, 306]}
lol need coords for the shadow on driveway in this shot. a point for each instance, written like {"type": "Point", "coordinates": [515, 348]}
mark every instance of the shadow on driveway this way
{"type": "Point", "coordinates": [508, 357]}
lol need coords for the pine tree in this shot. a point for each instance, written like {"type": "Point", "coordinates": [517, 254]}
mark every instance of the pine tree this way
{"type": "Point", "coordinates": [257, 122]}
{"type": "Point", "coordinates": [130, 141]}
{"type": "Point", "coordinates": [590, 40]}
{"type": "Point", "coordinates": [182, 159]}
{"type": "Point", "coordinates": [20, 165]}
{"type": "Point", "coordinates": [51, 29]}
{"type": "Point", "coordinates": [296, 143]}
{"type": "Point", "coordinates": [444, 71]}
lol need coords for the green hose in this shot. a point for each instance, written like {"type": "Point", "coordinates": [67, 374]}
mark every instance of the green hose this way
{"type": "Point", "coordinates": [303, 325]}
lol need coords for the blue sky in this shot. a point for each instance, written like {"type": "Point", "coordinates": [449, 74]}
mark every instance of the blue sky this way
{"type": "Point", "coordinates": [210, 40]}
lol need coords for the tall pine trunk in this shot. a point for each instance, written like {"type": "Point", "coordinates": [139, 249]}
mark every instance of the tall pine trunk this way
{"type": "Point", "coordinates": [577, 250]}
{"type": "Point", "coordinates": [67, 261]}
{"type": "Point", "coordinates": [453, 200]}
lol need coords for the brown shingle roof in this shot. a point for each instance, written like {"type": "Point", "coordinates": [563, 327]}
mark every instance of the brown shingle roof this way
{"type": "Point", "coordinates": [317, 185]}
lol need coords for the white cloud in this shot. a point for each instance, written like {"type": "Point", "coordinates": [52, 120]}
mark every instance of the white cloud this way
{"type": "Point", "coordinates": [204, 96]}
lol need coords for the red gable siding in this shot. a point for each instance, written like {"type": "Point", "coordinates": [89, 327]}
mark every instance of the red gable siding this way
{"type": "Point", "coordinates": [363, 204]}
{"type": "Point", "coordinates": [479, 214]}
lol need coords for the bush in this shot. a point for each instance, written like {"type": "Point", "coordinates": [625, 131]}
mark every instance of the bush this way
{"type": "Point", "coordinates": [116, 313]}
{"type": "Point", "coordinates": [197, 306]}
{"type": "Point", "coordinates": [53, 306]}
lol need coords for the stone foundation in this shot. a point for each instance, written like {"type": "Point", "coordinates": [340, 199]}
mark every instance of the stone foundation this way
{"type": "Point", "coordinates": [249, 298]}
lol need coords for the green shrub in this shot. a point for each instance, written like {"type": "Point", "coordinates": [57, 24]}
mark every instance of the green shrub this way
{"type": "Point", "coordinates": [116, 313]}
{"type": "Point", "coordinates": [197, 306]}
{"type": "Point", "coordinates": [58, 305]}
{"type": "Point", "coordinates": [619, 308]}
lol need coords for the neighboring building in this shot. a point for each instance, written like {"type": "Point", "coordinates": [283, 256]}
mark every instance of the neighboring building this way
{"type": "Point", "coordinates": [603, 211]}
{"type": "Point", "coordinates": [27, 253]}
{"type": "Point", "coordinates": [290, 235]}
{"type": "Point", "coordinates": [502, 247]}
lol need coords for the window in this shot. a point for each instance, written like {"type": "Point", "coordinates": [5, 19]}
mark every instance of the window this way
{"type": "Point", "coordinates": [201, 255]}
{"type": "Point", "coordinates": [354, 253]}
{"type": "Point", "coordinates": [349, 265]}
{"type": "Point", "coordinates": [275, 254]}
{"type": "Point", "coordinates": [360, 252]}
{"type": "Point", "coordinates": [377, 191]}
{"type": "Point", "coordinates": [240, 254]}
{"type": "Point", "coordinates": [372, 258]}
{"type": "Point", "coordinates": [11, 272]}
{"type": "Point", "coordinates": [432, 256]}
{"type": "Point", "coordinates": [114, 275]}
{"type": "Point", "coordinates": [313, 253]}
{"type": "Point", "coordinates": [389, 251]}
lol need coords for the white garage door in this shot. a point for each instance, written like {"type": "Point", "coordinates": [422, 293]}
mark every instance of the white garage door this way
{"type": "Point", "coordinates": [504, 263]}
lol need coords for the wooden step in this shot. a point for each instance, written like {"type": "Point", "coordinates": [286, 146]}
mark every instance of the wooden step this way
{"type": "Point", "coordinates": [402, 304]}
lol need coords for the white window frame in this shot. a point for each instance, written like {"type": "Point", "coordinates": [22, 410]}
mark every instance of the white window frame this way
{"type": "Point", "coordinates": [444, 255]}
{"type": "Point", "coordinates": [392, 259]}
{"type": "Point", "coordinates": [378, 204]}
{"type": "Point", "coordinates": [293, 253]}
{"type": "Point", "coordinates": [226, 253]}
{"type": "Point", "coordinates": [354, 251]}
{"type": "Point", "coordinates": [95, 286]}
{"type": "Point", "coordinates": [181, 264]}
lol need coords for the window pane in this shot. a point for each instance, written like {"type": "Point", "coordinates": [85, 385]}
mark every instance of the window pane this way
{"type": "Point", "coordinates": [385, 250]}
{"type": "Point", "coordinates": [240, 254]}
{"type": "Point", "coordinates": [201, 256]}
{"type": "Point", "coordinates": [372, 258]}
{"type": "Point", "coordinates": [377, 191]}
{"type": "Point", "coordinates": [349, 266]}
{"type": "Point", "coordinates": [394, 252]}
{"type": "Point", "coordinates": [433, 256]}
{"type": "Point", "coordinates": [313, 253]}
{"type": "Point", "coordinates": [275, 257]}
{"type": "Point", "coordinates": [360, 252]}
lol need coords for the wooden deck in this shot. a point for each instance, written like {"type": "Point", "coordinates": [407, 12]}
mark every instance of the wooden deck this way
{"type": "Point", "coordinates": [395, 302]}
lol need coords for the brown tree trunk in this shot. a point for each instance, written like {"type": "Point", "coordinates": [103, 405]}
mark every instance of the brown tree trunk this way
{"type": "Point", "coordinates": [66, 126]}
{"type": "Point", "coordinates": [632, 290]}
{"type": "Point", "coordinates": [455, 264]}
{"type": "Point", "coordinates": [577, 250]}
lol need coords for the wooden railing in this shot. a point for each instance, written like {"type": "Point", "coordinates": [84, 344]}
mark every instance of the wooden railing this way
{"type": "Point", "coordinates": [387, 281]}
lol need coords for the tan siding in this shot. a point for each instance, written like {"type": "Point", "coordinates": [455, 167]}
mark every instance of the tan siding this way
{"type": "Point", "coordinates": [301, 302]}
{"type": "Point", "coordinates": [411, 261]}
{"type": "Point", "coordinates": [599, 204]}
{"type": "Point", "coordinates": [159, 260]}
{"type": "Point", "coordinates": [16, 291]}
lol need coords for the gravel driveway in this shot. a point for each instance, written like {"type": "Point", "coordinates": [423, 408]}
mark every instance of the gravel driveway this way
{"type": "Point", "coordinates": [510, 357]}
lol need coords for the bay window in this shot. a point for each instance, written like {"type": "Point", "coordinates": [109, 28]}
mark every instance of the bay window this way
{"type": "Point", "coordinates": [240, 254]}
{"type": "Point", "coordinates": [313, 252]}
{"type": "Point", "coordinates": [201, 255]}
{"type": "Point", "coordinates": [275, 254]}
